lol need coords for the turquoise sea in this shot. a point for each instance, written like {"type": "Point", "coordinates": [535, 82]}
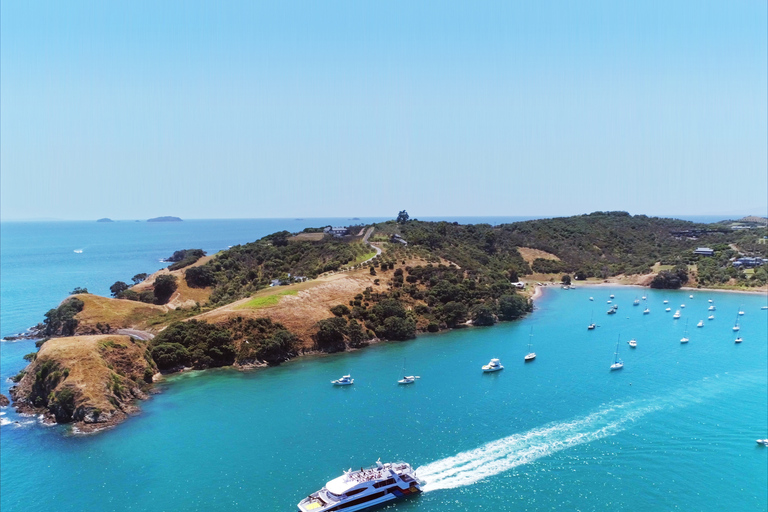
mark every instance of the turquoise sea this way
{"type": "Point", "coordinates": [674, 430]}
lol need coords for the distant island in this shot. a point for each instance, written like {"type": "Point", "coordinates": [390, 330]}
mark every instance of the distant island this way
{"type": "Point", "coordinates": [105, 219]}
{"type": "Point", "coordinates": [164, 219]}
{"type": "Point", "coordinates": [329, 290]}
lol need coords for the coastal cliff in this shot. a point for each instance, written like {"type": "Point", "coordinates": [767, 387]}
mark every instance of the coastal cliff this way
{"type": "Point", "coordinates": [90, 381]}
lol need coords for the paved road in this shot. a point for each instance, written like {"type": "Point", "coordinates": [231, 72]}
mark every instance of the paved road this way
{"type": "Point", "coordinates": [142, 335]}
{"type": "Point", "coordinates": [365, 239]}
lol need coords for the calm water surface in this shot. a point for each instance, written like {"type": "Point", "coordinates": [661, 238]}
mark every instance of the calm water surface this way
{"type": "Point", "coordinates": [673, 430]}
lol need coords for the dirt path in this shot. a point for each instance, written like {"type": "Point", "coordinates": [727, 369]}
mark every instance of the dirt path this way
{"type": "Point", "coordinates": [142, 335]}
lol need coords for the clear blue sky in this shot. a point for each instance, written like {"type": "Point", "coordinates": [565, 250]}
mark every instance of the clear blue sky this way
{"type": "Point", "coordinates": [133, 109]}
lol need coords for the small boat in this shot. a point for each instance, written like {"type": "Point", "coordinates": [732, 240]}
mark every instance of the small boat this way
{"type": "Point", "coordinates": [531, 354]}
{"type": "Point", "coordinates": [738, 340]}
{"type": "Point", "coordinates": [633, 343]}
{"type": "Point", "coordinates": [700, 324]}
{"type": "Point", "coordinates": [636, 302]}
{"type": "Point", "coordinates": [741, 311]}
{"type": "Point", "coordinates": [685, 339]}
{"type": "Point", "coordinates": [369, 487]}
{"type": "Point", "coordinates": [591, 327]}
{"type": "Point", "coordinates": [676, 315]}
{"type": "Point", "coordinates": [409, 379]}
{"type": "Point", "coordinates": [618, 364]}
{"type": "Point", "coordinates": [736, 325]}
{"type": "Point", "coordinates": [690, 296]}
{"type": "Point", "coordinates": [764, 307]}
{"type": "Point", "coordinates": [711, 317]}
{"type": "Point", "coordinates": [591, 298]}
{"type": "Point", "coordinates": [711, 308]}
{"type": "Point", "coordinates": [710, 300]}
{"type": "Point", "coordinates": [646, 311]}
{"type": "Point", "coordinates": [682, 305]}
{"type": "Point", "coordinates": [668, 310]}
{"type": "Point", "coordinates": [493, 366]}
{"type": "Point", "coordinates": [78, 251]}
{"type": "Point", "coordinates": [346, 380]}
{"type": "Point", "coordinates": [763, 442]}
{"type": "Point", "coordinates": [666, 302]}
{"type": "Point", "coordinates": [608, 302]}
{"type": "Point", "coordinates": [611, 311]}
{"type": "Point", "coordinates": [612, 296]}
{"type": "Point", "coordinates": [645, 298]}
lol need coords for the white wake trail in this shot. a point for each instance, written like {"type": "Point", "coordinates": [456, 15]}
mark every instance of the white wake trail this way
{"type": "Point", "coordinates": [504, 454]}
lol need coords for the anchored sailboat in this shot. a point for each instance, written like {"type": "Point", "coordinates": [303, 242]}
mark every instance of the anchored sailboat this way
{"type": "Point", "coordinates": [531, 354]}
{"type": "Point", "coordinates": [618, 364]}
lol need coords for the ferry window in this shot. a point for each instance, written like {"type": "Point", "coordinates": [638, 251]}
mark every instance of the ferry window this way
{"type": "Point", "coordinates": [358, 501]}
{"type": "Point", "coordinates": [355, 491]}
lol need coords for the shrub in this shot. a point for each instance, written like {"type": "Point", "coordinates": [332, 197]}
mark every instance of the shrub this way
{"type": "Point", "coordinates": [169, 355]}
{"type": "Point", "coordinates": [340, 310]}
{"type": "Point", "coordinates": [164, 287]}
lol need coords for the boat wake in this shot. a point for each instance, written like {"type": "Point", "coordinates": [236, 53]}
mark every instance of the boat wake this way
{"type": "Point", "coordinates": [501, 455]}
{"type": "Point", "coordinates": [504, 454]}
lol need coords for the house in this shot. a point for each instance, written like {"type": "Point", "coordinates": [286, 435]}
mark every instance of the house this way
{"type": "Point", "coordinates": [336, 231]}
{"type": "Point", "coordinates": [746, 262]}
{"type": "Point", "coordinates": [398, 238]}
{"type": "Point", "coordinates": [704, 251]}
{"type": "Point", "coordinates": [519, 285]}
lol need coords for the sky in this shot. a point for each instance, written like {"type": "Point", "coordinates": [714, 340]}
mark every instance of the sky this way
{"type": "Point", "coordinates": [136, 109]}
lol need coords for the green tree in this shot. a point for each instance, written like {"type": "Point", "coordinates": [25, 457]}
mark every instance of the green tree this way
{"type": "Point", "coordinates": [454, 313]}
{"type": "Point", "coordinates": [482, 314]}
{"type": "Point", "coordinates": [566, 280]}
{"type": "Point", "coordinates": [402, 217]}
{"type": "Point", "coordinates": [139, 278]}
{"type": "Point", "coordinates": [165, 285]}
{"type": "Point", "coordinates": [118, 288]}
{"type": "Point", "coordinates": [330, 334]}
{"type": "Point", "coordinates": [513, 306]}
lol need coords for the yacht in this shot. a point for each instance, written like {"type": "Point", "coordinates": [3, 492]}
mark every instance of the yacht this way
{"type": "Point", "coordinates": [633, 343]}
{"type": "Point", "coordinates": [736, 325]}
{"type": "Point", "coordinates": [410, 379]}
{"type": "Point", "coordinates": [685, 339]}
{"type": "Point", "coordinates": [710, 300]}
{"type": "Point", "coordinates": [591, 298]}
{"type": "Point", "coordinates": [666, 302]}
{"type": "Point", "coordinates": [763, 442]}
{"type": "Point", "coordinates": [346, 380]}
{"type": "Point", "coordinates": [668, 310]}
{"type": "Point", "coordinates": [700, 324]}
{"type": "Point", "coordinates": [618, 364]}
{"type": "Point", "coordinates": [682, 305]}
{"type": "Point", "coordinates": [690, 296]}
{"type": "Point", "coordinates": [711, 308]}
{"type": "Point", "coordinates": [738, 340]}
{"type": "Point", "coordinates": [493, 366]}
{"type": "Point", "coordinates": [612, 311]}
{"type": "Point", "coordinates": [676, 315]}
{"type": "Point", "coordinates": [645, 298]}
{"type": "Point", "coordinates": [364, 488]}
{"type": "Point", "coordinates": [531, 354]}
{"type": "Point", "coordinates": [591, 325]}
{"type": "Point", "coordinates": [636, 302]}
{"type": "Point", "coordinates": [741, 311]}
{"type": "Point", "coordinates": [609, 302]}
{"type": "Point", "coordinates": [612, 296]}
{"type": "Point", "coordinates": [646, 311]}
{"type": "Point", "coordinates": [764, 307]}
{"type": "Point", "coordinates": [711, 317]}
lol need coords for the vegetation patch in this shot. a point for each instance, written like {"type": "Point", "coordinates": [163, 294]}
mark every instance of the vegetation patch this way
{"type": "Point", "coordinates": [265, 301]}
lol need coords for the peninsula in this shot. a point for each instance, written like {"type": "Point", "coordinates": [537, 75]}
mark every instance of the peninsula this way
{"type": "Point", "coordinates": [331, 289]}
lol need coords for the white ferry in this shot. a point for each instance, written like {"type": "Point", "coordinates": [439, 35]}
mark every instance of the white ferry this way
{"type": "Point", "coordinates": [364, 488]}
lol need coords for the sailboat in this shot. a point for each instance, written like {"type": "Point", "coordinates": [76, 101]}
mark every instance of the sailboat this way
{"type": "Point", "coordinates": [591, 325]}
{"type": "Point", "coordinates": [736, 325]}
{"type": "Point", "coordinates": [684, 339]}
{"type": "Point", "coordinates": [410, 379]}
{"type": "Point", "coordinates": [700, 324]}
{"type": "Point", "coordinates": [741, 310]}
{"type": "Point", "coordinates": [618, 364]}
{"type": "Point", "coordinates": [531, 354]}
{"type": "Point", "coordinates": [636, 302]}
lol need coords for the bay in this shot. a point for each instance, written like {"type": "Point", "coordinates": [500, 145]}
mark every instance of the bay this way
{"type": "Point", "coordinates": [673, 430]}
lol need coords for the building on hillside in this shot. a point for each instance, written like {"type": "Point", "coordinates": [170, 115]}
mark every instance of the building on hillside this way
{"type": "Point", "coordinates": [336, 231]}
{"type": "Point", "coordinates": [704, 251]}
{"type": "Point", "coordinates": [399, 239]}
{"type": "Point", "coordinates": [519, 284]}
{"type": "Point", "coordinates": [747, 262]}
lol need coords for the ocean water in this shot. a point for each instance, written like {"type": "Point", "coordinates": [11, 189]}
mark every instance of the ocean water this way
{"type": "Point", "coordinates": [674, 430]}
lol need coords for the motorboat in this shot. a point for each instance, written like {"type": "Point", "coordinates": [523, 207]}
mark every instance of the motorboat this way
{"type": "Point", "coordinates": [636, 302]}
{"type": "Point", "coordinates": [763, 442]}
{"type": "Point", "coordinates": [711, 308]}
{"type": "Point", "coordinates": [618, 364]}
{"type": "Point", "coordinates": [609, 302]}
{"type": "Point", "coordinates": [410, 379]}
{"type": "Point", "coordinates": [346, 380]}
{"type": "Point", "coordinates": [645, 298]}
{"type": "Point", "coordinates": [676, 315]}
{"type": "Point", "coordinates": [591, 326]}
{"type": "Point", "coordinates": [682, 305]}
{"type": "Point", "coordinates": [738, 340]}
{"type": "Point", "coordinates": [493, 366]}
{"type": "Point", "coordinates": [700, 324]}
{"type": "Point", "coordinates": [612, 296]}
{"type": "Point", "coordinates": [690, 296]}
{"type": "Point", "coordinates": [646, 311]}
{"type": "Point", "coordinates": [668, 310]}
{"type": "Point", "coordinates": [764, 307]}
{"type": "Point", "coordinates": [633, 343]}
{"type": "Point", "coordinates": [364, 488]}
{"type": "Point", "coordinates": [666, 302]}
{"type": "Point", "coordinates": [711, 317]}
{"type": "Point", "coordinates": [591, 298]}
{"type": "Point", "coordinates": [611, 311]}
